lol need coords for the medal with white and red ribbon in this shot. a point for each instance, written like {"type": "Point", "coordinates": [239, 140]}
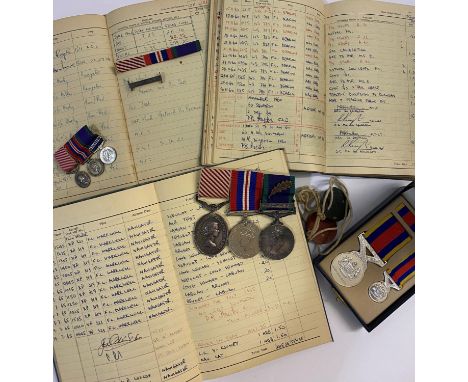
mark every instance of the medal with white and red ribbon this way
{"type": "Point", "coordinates": [211, 230]}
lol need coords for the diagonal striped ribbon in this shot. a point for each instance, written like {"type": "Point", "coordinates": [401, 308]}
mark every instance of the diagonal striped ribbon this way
{"type": "Point", "coordinates": [158, 56]}
{"type": "Point", "coordinates": [246, 190]}
{"type": "Point", "coordinates": [389, 235]}
{"type": "Point", "coordinates": [404, 271]}
{"type": "Point", "coordinates": [214, 183]}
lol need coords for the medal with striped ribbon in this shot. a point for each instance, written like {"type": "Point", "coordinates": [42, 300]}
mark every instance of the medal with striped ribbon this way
{"type": "Point", "coordinates": [244, 199]}
{"type": "Point", "coordinates": [394, 278]}
{"type": "Point", "coordinates": [211, 230]}
{"type": "Point", "coordinates": [158, 56]}
{"type": "Point", "coordinates": [78, 149]}
{"type": "Point", "coordinates": [382, 240]}
{"type": "Point", "coordinates": [277, 240]}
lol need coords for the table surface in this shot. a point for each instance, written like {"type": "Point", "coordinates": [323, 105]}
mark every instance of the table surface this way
{"type": "Point", "coordinates": [355, 355]}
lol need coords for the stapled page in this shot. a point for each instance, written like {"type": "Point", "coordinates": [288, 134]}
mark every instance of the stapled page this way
{"type": "Point", "coordinates": [242, 312]}
{"type": "Point", "coordinates": [270, 87]}
{"type": "Point", "coordinates": [86, 93]}
{"type": "Point", "coordinates": [164, 120]}
{"type": "Point", "coordinates": [370, 88]}
{"type": "Point", "coordinates": [118, 311]}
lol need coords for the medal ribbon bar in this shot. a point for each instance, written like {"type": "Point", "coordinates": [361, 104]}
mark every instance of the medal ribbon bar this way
{"type": "Point", "coordinates": [389, 236]}
{"type": "Point", "coordinates": [214, 183]}
{"type": "Point", "coordinates": [158, 56]}
{"type": "Point", "coordinates": [246, 190]}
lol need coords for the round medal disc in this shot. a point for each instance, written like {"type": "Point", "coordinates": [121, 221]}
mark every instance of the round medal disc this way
{"type": "Point", "coordinates": [276, 241]}
{"type": "Point", "coordinates": [244, 239]}
{"type": "Point", "coordinates": [82, 179]}
{"type": "Point", "coordinates": [108, 155]}
{"type": "Point", "coordinates": [210, 235]}
{"type": "Point", "coordinates": [378, 292]}
{"type": "Point", "coordinates": [348, 269]}
{"type": "Point", "coordinates": [95, 167]}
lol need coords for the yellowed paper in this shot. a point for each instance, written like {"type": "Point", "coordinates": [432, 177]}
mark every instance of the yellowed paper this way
{"type": "Point", "coordinates": [118, 312]}
{"type": "Point", "coordinates": [370, 88]}
{"type": "Point", "coordinates": [86, 92]}
{"type": "Point", "coordinates": [164, 120]}
{"type": "Point", "coordinates": [132, 297]}
{"type": "Point", "coordinates": [270, 82]}
{"type": "Point", "coordinates": [242, 312]}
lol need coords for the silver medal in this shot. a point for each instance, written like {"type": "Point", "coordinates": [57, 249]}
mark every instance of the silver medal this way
{"type": "Point", "coordinates": [95, 167]}
{"type": "Point", "coordinates": [210, 235]}
{"type": "Point", "coordinates": [378, 291]}
{"type": "Point", "coordinates": [348, 268]}
{"type": "Point", "coordinates": [82, 179]}
{"type": "Point", "coordinates": [108, 155]}
{"type": "Point", "coordinates": [276, 241]}
{"type": "Point", "coordinates": [244, 239]}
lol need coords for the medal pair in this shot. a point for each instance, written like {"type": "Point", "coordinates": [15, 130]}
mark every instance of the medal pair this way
{"type": "Point", "coordinates": [248, 193]}
{"type": "Point", "coordinates": [383, 240]}
{"type": "Point", "coordinates": [78, 150]}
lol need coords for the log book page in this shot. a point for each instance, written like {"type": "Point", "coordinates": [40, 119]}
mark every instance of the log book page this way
{"type": "Point", "coordinates": [86, 92]}
{"type": "Point", "coordinates": [242, 312]}
{"type": "Point", "coordinates": [118, 312]}
{"type": "Point", "coordinates": [164, 120]}
{"type": "Point", "coordinates": [370, 88]}
{"type": "Point", "coordinates": [270, 82]}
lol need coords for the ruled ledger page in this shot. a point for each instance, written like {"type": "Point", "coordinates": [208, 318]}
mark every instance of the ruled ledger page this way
{"type": "Point", "coordinates": [242, 312]}
{"type": "Point", "coordinates": [164, 120]}
{"type": "Point", "coordinates": [370, 88]}
{"type": "Point", "coordinates": [86, 92]}
{"type": "Point", "coordinates": [118, 313]}
{"type": "Point", "coordinates": [270, 82]}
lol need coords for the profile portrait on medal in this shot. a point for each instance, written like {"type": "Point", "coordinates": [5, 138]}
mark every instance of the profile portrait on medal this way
{"type": "Point", "coordinates": [212, 238]}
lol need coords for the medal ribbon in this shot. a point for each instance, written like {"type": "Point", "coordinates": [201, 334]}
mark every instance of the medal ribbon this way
{"type": "Point", "coordinates": [158, 56]}
{"type": "Point", "coordinates": [214, 183]}
{"type": "Point", "coordinates": [278, 192]}
{"type": "Point", "coordinates": [78, 149]}
{"type": "Point", "coordinates": [389, 235]}
{"type": "Point", "coordinates": [404, 271]}
{"type": "Point", "coordinates": [246, 190]}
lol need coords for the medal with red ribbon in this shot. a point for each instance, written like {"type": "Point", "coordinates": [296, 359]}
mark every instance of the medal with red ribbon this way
{"type": "Point", "coordinates": [78, 149]}
{"type": "Point", "coordinates": [211, 230]}
{"type": "Point", "coordinates": [244, 199]}
{"type": "Point", "coordinates": [394, 278]}
{"type": "Point", "coordinates": [383, 240]}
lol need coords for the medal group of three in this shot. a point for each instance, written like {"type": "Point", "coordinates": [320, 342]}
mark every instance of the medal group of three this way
{"type": "Point", "coordinates": [246, 193]}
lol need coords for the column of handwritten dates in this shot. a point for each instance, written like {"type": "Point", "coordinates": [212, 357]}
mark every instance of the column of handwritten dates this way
{"type": "Point", "coordinates": [238, 309]}
{"type": "Point", "coordinates": [370, 89]}
{"type": "Point", "coordinates": [114, 301]}
{"type": "Point", "coordinates": [271, 83]}
{"type": "Point", "coordinates": [86, 92]}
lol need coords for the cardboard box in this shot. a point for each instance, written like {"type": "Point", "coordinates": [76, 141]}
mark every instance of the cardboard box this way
{"type": "Point", "coordinates": [368, 312]}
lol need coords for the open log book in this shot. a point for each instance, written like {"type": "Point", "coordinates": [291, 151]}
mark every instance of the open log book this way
{"type": "Point", "coordinates": [135, 301]}
{"type": "Point", "coordinates": [331, 84]}
{"type": "Point", "coordinates": [156, 129]}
